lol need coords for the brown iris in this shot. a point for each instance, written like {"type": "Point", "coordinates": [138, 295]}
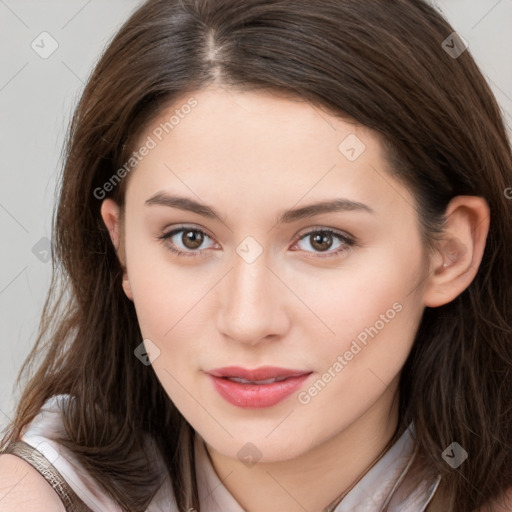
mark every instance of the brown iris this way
{"type": "Point", "coordinates": [321, 241]}
{"type": "Point", "coordinates": [192, 239]}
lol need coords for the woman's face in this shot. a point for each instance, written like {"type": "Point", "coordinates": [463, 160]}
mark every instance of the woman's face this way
{"type": "Point", "coordinates": [335, 294]}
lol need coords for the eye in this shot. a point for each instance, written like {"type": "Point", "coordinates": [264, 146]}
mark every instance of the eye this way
{"type": "Point", "coordinates": [187, 244]}
{"type": "Point", "coordinates": [322, 240]}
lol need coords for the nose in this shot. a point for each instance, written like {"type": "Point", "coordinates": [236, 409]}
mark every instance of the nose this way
{"type": "Point", "coordinates": [254, 305]}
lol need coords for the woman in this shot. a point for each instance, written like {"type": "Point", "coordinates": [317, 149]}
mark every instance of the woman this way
{"type": "Point", "coordinates": [281, 246]}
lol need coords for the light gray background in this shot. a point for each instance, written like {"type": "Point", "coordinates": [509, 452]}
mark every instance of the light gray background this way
{"type": "Point", "coordinates": [37, 97]}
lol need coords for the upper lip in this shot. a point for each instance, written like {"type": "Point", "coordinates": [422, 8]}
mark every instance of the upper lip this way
{"type": "Point", "coordinates": [263, 373]}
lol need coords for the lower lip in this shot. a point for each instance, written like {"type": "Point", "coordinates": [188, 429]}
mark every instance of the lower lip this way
{"type": "Point", "coordinates": [257, 395]}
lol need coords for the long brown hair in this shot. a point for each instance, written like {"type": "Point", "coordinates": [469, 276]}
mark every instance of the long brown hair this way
{"type": "Point", "coordinates": [382, 63]}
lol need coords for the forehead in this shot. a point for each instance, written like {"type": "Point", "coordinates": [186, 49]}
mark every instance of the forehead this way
{"type": "Point", "coordinates": [254, 144]}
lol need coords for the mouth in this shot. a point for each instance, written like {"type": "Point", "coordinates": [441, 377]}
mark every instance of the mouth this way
{"type": "Point", "coordinates": [245, 381]}
{"type": "Point", "coordinates": [261, 374]}
{"type": "Point", "coordinates": [261, 387]}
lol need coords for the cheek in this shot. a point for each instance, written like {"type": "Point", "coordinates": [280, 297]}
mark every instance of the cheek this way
{"type": "Point", "coordinates": [160, 289]}
{"type": "Point", "coordinates": [353, 296]}
{"type": "Point", "coordinates": [369, 315]}
{"type": "Point", "coordinates": [172, 301]}
{"type": "Point", "coordinates": [361, 363]}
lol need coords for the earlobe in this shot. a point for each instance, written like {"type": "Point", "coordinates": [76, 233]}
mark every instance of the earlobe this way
{"type": "Point", "coordinates": [126, 286]}
{"type": "Point", "coordinates": [460, 253]}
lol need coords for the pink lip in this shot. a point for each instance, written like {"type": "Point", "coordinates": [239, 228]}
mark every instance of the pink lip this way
{"type": "Point", "coordinates": [256, 395]}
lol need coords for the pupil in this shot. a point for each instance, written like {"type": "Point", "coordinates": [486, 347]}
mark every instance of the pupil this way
{"type": "Point", "coordinates": [192, 239]}
{"type": "Point", "coordinates": [322, 241]}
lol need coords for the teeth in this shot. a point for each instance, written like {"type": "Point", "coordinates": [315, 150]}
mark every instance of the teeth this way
{"type": "Point", "coordinates": [267, 381]}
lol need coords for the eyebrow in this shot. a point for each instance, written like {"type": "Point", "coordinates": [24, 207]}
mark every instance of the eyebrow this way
{"type": "Point", "coordinates": [288, 216]}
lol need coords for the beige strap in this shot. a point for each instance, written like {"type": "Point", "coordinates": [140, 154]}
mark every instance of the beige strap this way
{"type": "Point", "coordinates": [37, 460]}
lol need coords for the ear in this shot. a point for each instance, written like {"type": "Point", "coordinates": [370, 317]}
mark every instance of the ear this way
{"type": "Point", "coordinates": [111, 215]}
{"type": "Point", "coordinates": [456, 263]}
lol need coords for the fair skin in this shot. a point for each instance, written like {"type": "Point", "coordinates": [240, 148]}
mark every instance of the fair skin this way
{"type": "Point", "coordinates": [250, 156]}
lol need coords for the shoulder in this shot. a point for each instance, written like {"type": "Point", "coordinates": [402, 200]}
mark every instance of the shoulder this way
{"type": "Point", "coordinates": [22, 485]}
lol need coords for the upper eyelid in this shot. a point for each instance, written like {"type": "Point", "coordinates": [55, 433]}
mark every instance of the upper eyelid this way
{"type": "Point", "coordinates": [176, 229]}
{"type": "Point", "coordinates": [316, 229]}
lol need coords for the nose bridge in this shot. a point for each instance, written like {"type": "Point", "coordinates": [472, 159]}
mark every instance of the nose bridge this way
{"type": "Point", "coordinates": [251, 279]}
{"type": "Point", "coordinates": [251, 306]}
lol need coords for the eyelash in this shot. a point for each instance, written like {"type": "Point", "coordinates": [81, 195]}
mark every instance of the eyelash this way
{"type": "Point", "coordinates": [348, 242]}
